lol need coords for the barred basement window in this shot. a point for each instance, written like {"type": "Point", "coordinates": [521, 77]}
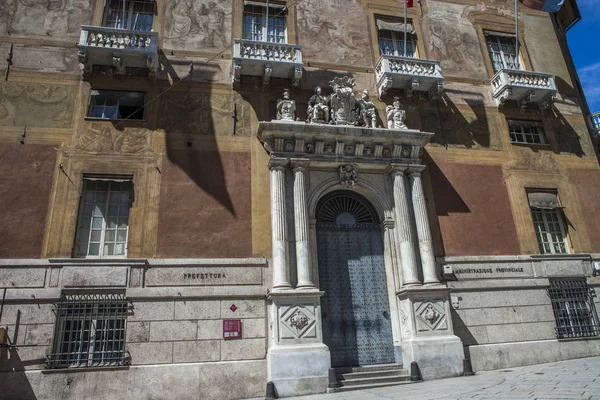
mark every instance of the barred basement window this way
{"type": "Point", "coordinates": [89, 331]}
{"type": "Point", "coordinates": [103, 225]}
{"type": "Point", "coordinates": [548, 221]}
{"type": "Point", "coordinates": [529, 132]}
{"type": "Point", "coordinates": [574, 309]}
{"type": "Point", "coordinates": [390, 35]}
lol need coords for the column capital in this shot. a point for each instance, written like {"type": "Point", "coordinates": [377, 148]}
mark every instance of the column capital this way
{"type": "Point", "coordinates": [299, 164]}
{"type": "Point", "coordinates": [278, 163]}
{"type": "Point", "coordinates": [388, 224]}
{"type": "Point", "coordinates": [415, 170]}
{"type": "Point", "coordinates": [397, 169]}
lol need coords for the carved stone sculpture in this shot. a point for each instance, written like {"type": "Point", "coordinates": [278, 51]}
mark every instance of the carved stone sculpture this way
{"type": "Point", "coordinates": [286, 108]}
{"type": "Point", "coordinates": [349, 175]}
{"type": "Point", "coordinates": [366, 111]}
{"type": "Point", "coordinates": [318, 110]}
{"type": "Point", "coordinates": [396, 116]}
{"type": "Point", "coordinates": [343, 102]}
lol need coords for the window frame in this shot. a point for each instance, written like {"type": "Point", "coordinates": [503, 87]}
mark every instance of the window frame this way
{"type": "Point", "coordinates": [86, 347]}
{"type": "Point", "coordinates": [129, 13]}
{"type": "Point", "coordinates": [538, 125]}
{"type": "Point", "coordinates": [397, 39]}
{"type": "Point", "coordinates": [498, 35]}
{"type": "Point", "coordinates": [274, 9]}
{"type": "Point", "coordinates": [574, 310]}
{"type": "Point", "coordinates": [91, 106]}
{"type": "Point", "coordinates": [546, 218]}
{"type": "Point", "coordinates": [80, 218]}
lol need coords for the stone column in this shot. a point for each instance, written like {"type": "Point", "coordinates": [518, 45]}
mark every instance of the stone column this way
{"type": "Point", "coordinates": [301, 225]}
{"type": "Point", "coordinates": [406, 236]}
{"type": "Point", "coordinates": [423, 230]}
{"type": "Point", "coordinates": [281, 268]}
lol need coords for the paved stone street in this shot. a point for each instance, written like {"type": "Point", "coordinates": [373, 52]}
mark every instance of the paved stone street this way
{"type": "Point", "coordinates": [573, 379]}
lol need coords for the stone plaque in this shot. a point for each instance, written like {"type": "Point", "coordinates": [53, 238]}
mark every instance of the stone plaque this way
{"type": "Point", "coordinates": [491, 271]}
{"type": "Point", "coordinates": [22, 277]}
{"type": "Point", "coordinates": [203, 276]}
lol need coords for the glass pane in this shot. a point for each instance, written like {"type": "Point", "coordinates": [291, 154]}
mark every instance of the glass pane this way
{"type": "Point", "coordinates": [120, 249]}
{"type": "Point", "coordinates": [97, 223]}
{"type": "Point", "coordinates": [109, 249]}
{"type": "Point", "coordinates": [110, 236]}
{"type": "Point", "coordinates": [94, 249]}
{"type": "Point", "coordinates": [121, 235]}
{"type": "Point", "coordinates": [95, 236]}
{"type": "Point", "coordinates": [123, 211]}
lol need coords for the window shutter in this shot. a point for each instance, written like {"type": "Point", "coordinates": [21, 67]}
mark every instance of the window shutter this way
{"type": "Point", "coordinates": [389, 24]}
{"type": "Point", "coordinates": [543, 200]}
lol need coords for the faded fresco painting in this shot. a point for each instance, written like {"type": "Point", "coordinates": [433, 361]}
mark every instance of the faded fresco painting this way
{"type": "Point", "coordinates": [36, 105]}
{"type": "Point", "coordinates": [55, 18]}
{"type": "Point", "coordinates": [451, 38]}
{"type": "Point", "coordinates": [198, 25]}
{"type": "Point", "coordinates": [334, 31]}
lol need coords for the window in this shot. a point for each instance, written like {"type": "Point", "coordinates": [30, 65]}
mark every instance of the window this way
{"type": "Point", "coordinates": [103, 224]}
{"type": "Point", "coordinates": [89, 331]}
{"type": "Point", "coordinates": [530, 132]}
{"type": "Point", "coordinates": [574, 309]}
{"type": "Point", "coordinates": [390, 35]}
{"type": "Point", "coordinates": [503, 50]}
{"type": "Point", "coordinates": [135, 15]}
{"type": "Point", "coordinates": [106, 104]}
{"type": "Point", "coordinates": [259, 27]}
{"type": "Point", "coordinates": [548, 221]}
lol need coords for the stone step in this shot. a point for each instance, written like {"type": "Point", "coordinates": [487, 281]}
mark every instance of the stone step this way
{"type": "Point", "coordinates": [371, 374]}
{"type": "Point", "coordinates": [374, 380]}
{"type": "Point", "coordinates": [367, 386]}
{"type": "Point", "coordinates": [368, 368]}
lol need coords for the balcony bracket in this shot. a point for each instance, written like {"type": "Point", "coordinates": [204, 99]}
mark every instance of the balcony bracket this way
{"type": "Point", "coordinates": [411, 87]}
{"type": "Point", "coordinates": [546, 103]}
{"type": "Point", "coordinates": [435, 92]}
{"type": "Point", "coordinates": [267, 75]}
{"type": "Point", "coordinates": [297, 76]}
{"type": "Point", "coordinates": [526, 99]}
{"type": "Point", "coordinates": [385, 85]}
{"type": "Point", "coordinates": [237, 72]}
{"type": "Point", "coordinates": [118, 64]}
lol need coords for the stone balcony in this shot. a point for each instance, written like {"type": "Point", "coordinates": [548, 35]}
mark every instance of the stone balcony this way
{"type": "Point", "coordinates": [410, 74]}
{"type": "Point", "coordinates": [119, 48]}
{"type": "Point", "coordinates": [327, 145]}
{"type": "Point", "coordinates": [595, 117]}
{"type": "Point", "coordinates": [524, 87]}
{"type": "Point", "coordinates": [266, 59]}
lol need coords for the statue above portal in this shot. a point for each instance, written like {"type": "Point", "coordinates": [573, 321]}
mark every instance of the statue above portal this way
{"type": "Point", "coordinates": [318, 110]}
{"type": "Point", "coordinates": [343, 102]}
{"type": "Point", "coordinates": [367, 114]}
{"type": "Point", "coordinates": [286, 108]}
{"type": "Point", "coordinates": [396, 116]}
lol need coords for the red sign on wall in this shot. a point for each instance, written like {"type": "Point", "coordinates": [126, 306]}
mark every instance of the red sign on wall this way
{"type": "Point", "coordinates": [232, 329]}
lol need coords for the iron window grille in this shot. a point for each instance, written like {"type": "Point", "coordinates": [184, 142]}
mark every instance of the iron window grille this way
{"type": "Point", "coordinates": [574, 309]}
{"type": "Point", "coordinates": [528, 132]}
{"type": "Point", "coordinates": [255, 23]}
{"type": "Point", "coordinates": [89, 331]}
{"type": "Point", "coordinates": [502, 48]}
{"type": "Point", "coordinates": [136, 15]}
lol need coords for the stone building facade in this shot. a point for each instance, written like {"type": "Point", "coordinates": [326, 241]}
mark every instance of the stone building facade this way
{"type": "Point", "coordinates": [174, 225]}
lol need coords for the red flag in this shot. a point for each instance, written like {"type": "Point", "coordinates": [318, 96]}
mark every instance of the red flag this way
{"type": "Point", "coordinates": [409, 3]}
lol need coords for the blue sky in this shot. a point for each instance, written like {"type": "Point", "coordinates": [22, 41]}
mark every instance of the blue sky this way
{"type": "Point", "coordinates": [583, 42]}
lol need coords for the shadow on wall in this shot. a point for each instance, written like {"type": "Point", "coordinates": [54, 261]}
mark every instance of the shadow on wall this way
{"type": "Point", "coordinates": [454, 127]}
{"type": "Point", "coordinates": [14, 384]}
{"type": "Point", "coordinates": [187, 115]}
{"type": "Point", "coordinates": [447, 199]}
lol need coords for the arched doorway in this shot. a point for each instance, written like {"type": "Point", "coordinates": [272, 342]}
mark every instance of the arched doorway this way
{"type": "Point", "coordinates": [355, 307]}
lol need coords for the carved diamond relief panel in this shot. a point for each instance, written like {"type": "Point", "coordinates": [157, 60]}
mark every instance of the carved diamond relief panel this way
{"type": "Point", "coordinates": [430, 316]}
{"type": "Point", "coordinates": [297, 322]}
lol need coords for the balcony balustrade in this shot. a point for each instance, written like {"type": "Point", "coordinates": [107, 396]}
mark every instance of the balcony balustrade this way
{"type": "Point", "coordinates": [524, 87]}
{"type": "Point", "coordinates": [266, 59]}
{"type": "Point", "coordinates": [120, 48]}
{"type": "Point", "coordinates": [410, 74]}
{"type": "Point", "coordinates": [595, 117]}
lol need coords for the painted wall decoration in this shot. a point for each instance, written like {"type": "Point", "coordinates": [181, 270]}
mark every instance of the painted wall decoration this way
{"type": "Point", "coordinates": [198, 25]}
{"type": "Point", "coordinates": [204, 114]}
{"type": "Point", "coordinates": [54, 18]}
{"type": "Point", "coordinates": [451, 38]}
{"type": "Point", "coordinates": [36, 105]}
{"type": "Point", "coordinates": [102, 137]}
{"type": "Point", "coordinates": [334, 31]}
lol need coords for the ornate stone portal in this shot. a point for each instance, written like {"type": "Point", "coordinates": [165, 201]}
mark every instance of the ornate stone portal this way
{"type": "Point", "coordinates": [320, 159]}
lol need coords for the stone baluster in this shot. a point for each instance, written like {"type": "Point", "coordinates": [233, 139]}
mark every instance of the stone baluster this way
{"type": "Point", "coordinates": [406, 236]}
{"type": "Point", "coordinates": [423, 230]}
{"type": "Point", "coordinates": [281, 268]}
{"type": "Point", "coordinates": [301, 224]}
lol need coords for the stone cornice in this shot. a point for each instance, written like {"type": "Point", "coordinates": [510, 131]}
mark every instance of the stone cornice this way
{"type": "Point", "coordinates": [351, 143]}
